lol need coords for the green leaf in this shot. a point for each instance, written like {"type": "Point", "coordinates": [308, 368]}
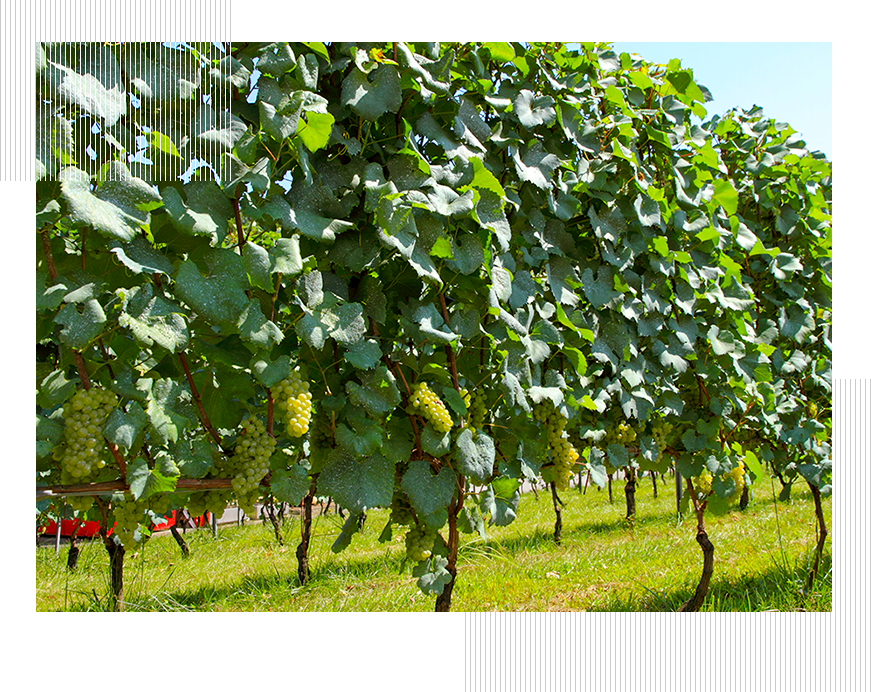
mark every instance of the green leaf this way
{"type": "Point", "coordinates": [123, 428]}
{"type": "Point", "coordinates": [442, 248]}
{"type": "Point", "coordinates": [162, 410]}
{"type": "Point", "coordinates": [428, 493]}
{"type": "Point", "coordinates": [315, 130]}
{"type": "Point", "coordinates": [364, 355]}
{"type": "Point", "coordinates": [55, 389]}
{"type": "Point", "coordinates": [725, 195]}
{"type": "Point", "coordinates": [372, 95]}
{"type": "Point", "coordinates": [54, 144]}
{"type": "Point", "coordinates": [256, 330]}
{"type": "Point", "coordinates": [500, 52]}
{"type": "Point", "coordinates": [152, 319]}
{"type": "Point", "coordinates": [474, 454]}
{"type": "Point", "coordinates": [204, 211]}
{"type": "Point", "coordinates": [258, 266]}
{"type": "Point", "coordinates": [81, 328]}
{"type": "Point", "coordinates": [119, 207]}
{"type": "Point", "coordinates": [269, 373]}
{"type": "Point", "coordinates": [145, 482]}
{"type": "Point", "coordinates": [432, 575]}
{"type": "Point", "coordinates": [355, 484]}
{"type": "Point", "coordinates": [365, 438]}
{"type": "Point", "coordinates": [501, 499]}
{"type": "Point", "coordinates": [377, 391]}
{"type": "Point", "coordinates": [193, 457]}
{"type": "Point", "coordinates": [219, 296]}
{"type": "Point", "coordinates": [535, 165]}
{"type": "Point", "coordinates": [534, 110]}
{"type": "Point", "coordinates": [290, 485]}
{"type": "Point", "coordinates": [285, 257]}
{"type": "Point", "coordinates": [162, 143]}
{"type": "Point", "coordinates": [491, 215]}
{"type": "Point", "coordinates": [139, 256]}
{"type": "Point", "coordinates": [88, 77]}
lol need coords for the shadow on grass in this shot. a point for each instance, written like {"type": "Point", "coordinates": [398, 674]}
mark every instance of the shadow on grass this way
{"type": "Point", "coordinates": [779, 586]}
{"type": "Point", "coordinates": [776, 588]}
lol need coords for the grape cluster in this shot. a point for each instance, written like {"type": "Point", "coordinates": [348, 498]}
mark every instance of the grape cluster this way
{"type": "Point", "coordinates": [692, 396]}
{"type": "Point", "coordinates": [419, 542]}
{"type": "Point", "coordinates": [660, 430]}
{"type": "Point", "coordinates": [129, 514]}
{"type": "Point", "coordinates": [563, 452]}
{"type": "Point", "coordinates": [426, 402]}
{"type": "Point", "coordinates": [737, 475]}
{"type": "Point", "coordinates": [703, 482]}
{"type": "Point", "coordinates": [80, 503]}
{"type": "Point", "coordinates": [251, 462]}
{"type": "Point", "coordinates": [82, 452]}
{"type": "Point", "coordinates": [476, 403]}
{"type": "Point", "coordinates": [400, 510]}
{"type": "Point", "coordinates": [214, 502]}
{"type": "Point", "coordinates": [321, 435]}
{"type": "Point", "coordinates": [620, 434]}
{"type": "Point", "coordinates": [294, 400]}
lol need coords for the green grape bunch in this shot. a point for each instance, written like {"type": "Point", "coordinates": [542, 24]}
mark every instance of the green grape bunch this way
{"type": "Point", "coordinates": [426, 402]}
{"type": "Point", "coordinates": [660, 430]}
{"type": "Point", "coordinates": [620, 434]}
{"type": "Point", "coordinates": [129, 514]}
{"type": "Point", "coordinates": [82, 453]}
{"type": "Point", "coordinates": [703, 482]}
{"type": "Point", "coordinates": [321, 435]}
{"type": "Point", "coordinates": [213, 502]}
{"type": "Point", "coordinates": [294, 401]}
{"type": "Point", "coordinates": [419, 542]}
{"type": "Point", "coordinates": [476, 404]}
{"type": "Point", "coordinates": [562, 451]}
{"type": "Point", "coordinates": [400, 510]}
{"type": "Point", "coordinates": [251, 457]}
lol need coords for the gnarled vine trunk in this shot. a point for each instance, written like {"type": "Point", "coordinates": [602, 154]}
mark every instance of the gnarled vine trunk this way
{"type": "Point", "coordinates": [185, 550]}
{"type": "Point", "coordinates": [694, 603]}
{"type": "Point", "coordinates": [630, 495]}
{"type": "Point", "coordinates": [558, 524]}
{"type": "Point", "coordinates": [306, 531]}
{"type": "Point", "coordinates": [821, 536]}
{"type": "Point", "coordinates": [443, 600]}
{"type": "Point", "coordinates": [116, 569]}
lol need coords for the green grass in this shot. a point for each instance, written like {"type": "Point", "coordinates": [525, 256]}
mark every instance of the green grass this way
{"type": "Point", "coordinates": [761, 559]}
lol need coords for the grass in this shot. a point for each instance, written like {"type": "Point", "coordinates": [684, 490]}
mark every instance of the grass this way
{"type": "Point", "coordinates": [604, 564]}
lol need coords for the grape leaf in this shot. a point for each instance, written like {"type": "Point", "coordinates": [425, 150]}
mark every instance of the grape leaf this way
{"type": "Point", "coordinates": [152, 319]}
{"type": "Point", "coordinates": [428, 493]}
{"type": "Point", "coordinates": [145, 482]}
{"type": "Point", "coordinates": [474, 455]}
{"type": "Point", "coordinates": [81, 328]}
{"type": "Point", "coordinates": [357, 484]}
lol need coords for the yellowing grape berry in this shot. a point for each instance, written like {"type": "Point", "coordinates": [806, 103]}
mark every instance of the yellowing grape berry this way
{"type": "Point", "coordinates": [294, 402]}
{"type": "Point", "coordinates": [426, 402]}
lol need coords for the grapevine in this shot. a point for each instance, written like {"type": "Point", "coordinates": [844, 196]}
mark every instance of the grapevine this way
{"type": "Point", "coordinates": [664, 288]}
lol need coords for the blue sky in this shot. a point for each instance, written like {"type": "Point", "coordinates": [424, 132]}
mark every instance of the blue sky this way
{"type": "Point", "coordinates": [792, 82]}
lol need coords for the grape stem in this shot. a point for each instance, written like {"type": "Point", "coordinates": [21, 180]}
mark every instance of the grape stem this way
{"type": "Point", "coordinates": [196, 395]}
{"type": "Point", "coordinates": [83, 371]}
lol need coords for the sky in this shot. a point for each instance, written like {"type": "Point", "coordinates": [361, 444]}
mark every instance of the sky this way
{"type": "Point", "coordinates": [792, 82]}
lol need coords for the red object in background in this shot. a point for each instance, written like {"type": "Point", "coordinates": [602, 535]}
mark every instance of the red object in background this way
{"type": "Point", "coordinates": [89, 529]}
